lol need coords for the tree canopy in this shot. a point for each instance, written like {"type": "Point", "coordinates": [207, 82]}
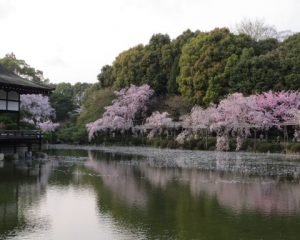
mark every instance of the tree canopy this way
{"type": "Point", "coordinates": [23, 69]}
{"type": "Point", "coordinates": [203, 63]}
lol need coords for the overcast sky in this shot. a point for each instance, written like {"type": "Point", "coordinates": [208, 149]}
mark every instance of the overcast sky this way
{"type": "Point", "coordinates": [70, 40]}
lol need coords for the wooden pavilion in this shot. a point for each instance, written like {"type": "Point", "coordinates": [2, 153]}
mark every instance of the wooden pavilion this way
{"type": "Point", "coordinates": [11, 87]}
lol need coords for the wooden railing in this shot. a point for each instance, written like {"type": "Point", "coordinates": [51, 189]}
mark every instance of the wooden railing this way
{"type": "Point", "coordinates": [20, 135]}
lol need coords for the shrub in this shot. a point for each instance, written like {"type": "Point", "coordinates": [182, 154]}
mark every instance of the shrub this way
{"type": "Point", "coordinates": [293, 147]}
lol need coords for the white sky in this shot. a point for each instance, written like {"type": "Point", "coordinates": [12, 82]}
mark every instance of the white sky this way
{"type": "Point", "coordinates": [70, 40]}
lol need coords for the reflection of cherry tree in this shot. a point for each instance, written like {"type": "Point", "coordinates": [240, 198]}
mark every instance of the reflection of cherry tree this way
{"type": "Point", "coordinates": [238, 194]}
{"type": "Point", "coordinates": [120, 179]}
{"type": "Point", "coordinates": [39, 111]}
{"type": "Point", "coordinates": [121, 114]}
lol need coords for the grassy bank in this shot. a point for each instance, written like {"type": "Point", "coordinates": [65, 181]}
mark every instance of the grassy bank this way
{"type": "Point", "coordinates": [249, 145]}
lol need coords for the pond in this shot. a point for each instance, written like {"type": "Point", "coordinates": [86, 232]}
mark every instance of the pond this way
{"type": "Point", "coordinates": [144, 193]}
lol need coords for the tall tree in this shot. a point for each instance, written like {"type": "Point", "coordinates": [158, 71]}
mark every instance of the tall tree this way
{"type": "Point", "coordinates": [23, 69]}
{"type": "Point", "coordinates": [105, 77]}
{"type": "Point", "coordinates": [177, 45]}
{"type": "Point", "coordinates": [157, 62]}
{"type": "Point", "coordinates": [203, 62]}
{"type": "Point", "coordinates": [256, 73]}
{"type": "Point", "coordinates": [276, 67]}
{"type": "Point", "coordinates": [62, 100]}
{"type": "Point", "coordinates": [289, 54]}
{"type": "Point", "coordinates": [126, 67]}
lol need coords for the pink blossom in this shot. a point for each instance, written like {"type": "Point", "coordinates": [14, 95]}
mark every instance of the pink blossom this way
{"type": "Point", "coordinates": [121, 114]}
{"type": "Point", "coordinates": [48, 126]}
{"type": "Point", "coordinates": [184, 136]}
{"type": "Point", "coordinates": [277, 107]}
{"type": "Point", "coordinates": [40, 111]}
{"type": "Point", "coordinates": [236, 115]}
{"type": "Point", "coordinates": [157, 122]}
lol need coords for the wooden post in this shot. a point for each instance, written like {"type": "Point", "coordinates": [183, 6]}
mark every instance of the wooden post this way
{"type": "Point", "coordinates": [285, 137]}
{"type": "Point", "coordinates": [40, 141]}
{"type": "Point", "coordinates": [206, 138]}
{"type": "Point", "coordinates": [18, 120]}
{"type": "Point", "coordinates": [254, 139]}
{"type": "Point", "coordinates": [18, 113]}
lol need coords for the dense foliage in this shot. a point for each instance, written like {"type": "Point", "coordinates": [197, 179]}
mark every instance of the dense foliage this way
{"type": "Point", "coordinates": [67, 99]}
{"type": "Point", "coordinates": [206, 66]}
{"type": "Point", "coordinates": [20, 67]}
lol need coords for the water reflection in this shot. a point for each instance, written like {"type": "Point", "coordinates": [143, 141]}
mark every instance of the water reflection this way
{"type": "Point", "coordinates": [181, 200]}
{"type": "Point", "coordinates": [120, 179]}
{"type": "Point", "coordinates": [21, 187]}
{"type": "Point", "coordinates": [236, 191]}
{"type": "Point", "coordinates": [154, 195]}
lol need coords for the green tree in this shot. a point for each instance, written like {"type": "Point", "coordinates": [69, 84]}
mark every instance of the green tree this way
{"type": "Point", "coordinates": [203, 62]}
{"type": "Point", "coordinates": [93, 104]}
{"type": "Point", "coordinates": [177, 45]}
{"type": "Point", "coordinates": [126, 68]}
{"type": "Point", "coordinates": [256, 74]}
{"type": "Point", "coordinates": [62, 101]}
{"type": "Point", "coordinates": [79, 92]}
{"type": "Point", "coordinates": [265, 46]}
{"type": "Point", "coordinates": [157, 62]}
{"type": "Point", "coordinates": [289, 54]}
{"type": "Point", "coordinates": [275, 67]}
{"type": "Point", "coordinates": [106, 77]}
{"type": "Point", "coordinates": [23, 69]}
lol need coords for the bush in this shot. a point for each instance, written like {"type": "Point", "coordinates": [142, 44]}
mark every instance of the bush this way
{"type": "Point", "coordinates": [263, 147]}
{"type": "Point", "coordinates": [293, 147]}
{"type": "Point", "coordinates": [72, 134]}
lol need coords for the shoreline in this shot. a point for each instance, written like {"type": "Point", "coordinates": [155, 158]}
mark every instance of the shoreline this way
{"type": "Point", "coordinates": [133, 149]}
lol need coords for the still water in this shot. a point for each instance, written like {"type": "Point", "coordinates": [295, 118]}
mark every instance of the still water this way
{"type": "Point", "coordinates": [144, 193]}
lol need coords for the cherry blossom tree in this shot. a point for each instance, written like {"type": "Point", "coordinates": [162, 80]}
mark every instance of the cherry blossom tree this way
{"type": "Point", "coordinates": [184, 136]}
{"type": "Point", "coordinates": [200, 118]}
{"type": "Point", "coordinates": [48, 126]}
{"type": "Point", "coordinates": [198, 121]}
{"type": "Point", "coordinates": [120, 116]}
{"type": "Point", "coordinates": [278, 107]}
{"type": "Point", "coordinates": [236, 115]}
{"type": "Point", "coordinates": [157, 123]}
{"type": "Point", "coordinates": [39, 112]}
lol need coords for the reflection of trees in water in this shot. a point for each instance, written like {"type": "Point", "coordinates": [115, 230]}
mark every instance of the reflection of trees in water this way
{"type": "Point", "coordinates": [20, 187]}
{"type": "Point", "coordinates": [191, 204]}
{"type": "Point", "coordinates": [235, 191]}
{"type": "Point", "coordinates": [120, 178]}
{"type": "Point", "coordinates": [262, 165]}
